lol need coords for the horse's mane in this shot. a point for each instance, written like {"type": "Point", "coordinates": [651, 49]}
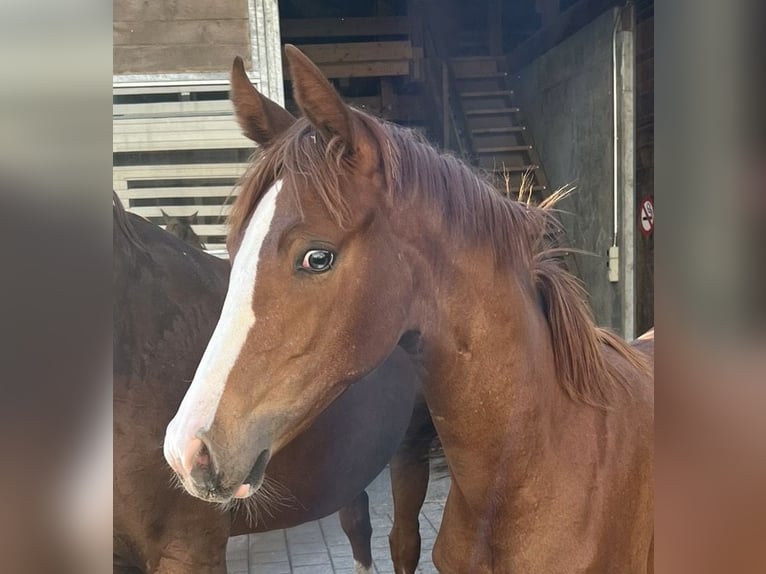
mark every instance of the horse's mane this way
{"type": "Point", "coordinates": [518, 233]}
{"type": "Point", "coordinates": [123, 227]}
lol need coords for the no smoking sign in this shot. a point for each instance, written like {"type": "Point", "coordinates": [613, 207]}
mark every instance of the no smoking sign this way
{"type": "Point", "coordinates": [646, 217]}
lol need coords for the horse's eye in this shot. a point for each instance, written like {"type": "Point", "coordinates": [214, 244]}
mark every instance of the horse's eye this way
{"type": "Point", "coordinates": [318, 260]}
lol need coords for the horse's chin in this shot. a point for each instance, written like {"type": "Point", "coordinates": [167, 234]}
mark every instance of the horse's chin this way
{"type": "Point", "coordinates": [256, 476]}
{"type": "Point", "coordinates": [244, 491]}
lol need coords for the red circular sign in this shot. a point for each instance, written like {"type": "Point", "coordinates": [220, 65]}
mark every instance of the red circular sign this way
{"type": "Point", "coordinates": [646, 217]}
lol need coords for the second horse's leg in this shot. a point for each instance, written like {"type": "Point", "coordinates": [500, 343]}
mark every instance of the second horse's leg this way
{"type": "Point", "coordinates": [355, 521]}
{"type": "Point", "coordinates": [409, 483]}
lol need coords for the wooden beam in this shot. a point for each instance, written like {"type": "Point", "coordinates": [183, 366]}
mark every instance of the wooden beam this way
{"type": "Point", "coordinates": [184, 32]}
{"type": "Point", "coordinates": [176, 58]}
{"type": "Point", "coordinates": [335, 27]}
{"type": "Point", "coordinates": [357, 52]}
{"type": "Point", "coordinates": [181, 171]}
{"type": "Point", "coordinates": [403, 107]}
{"type": "Point", "coordinates": [223, 191]}
{"type": "Point", "coordinates": [363, 69]}
{"type": "Point", "coordinates": [182, 210]}
{"type": "Point", "coordinates": [143, 11]}
{"type": "Point", "coordinates": [361, 59]}
{"type": "Point", "coordinates": [173, 109]}
{"type": "Point", "coordinates": [565, 25]}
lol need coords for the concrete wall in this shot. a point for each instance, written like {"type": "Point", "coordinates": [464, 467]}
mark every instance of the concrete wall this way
{"type": "Point", "coordinates": [566, 98]}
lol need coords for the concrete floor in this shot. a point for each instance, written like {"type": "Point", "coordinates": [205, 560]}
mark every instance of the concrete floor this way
{"type": "Point", "coordinates": [321, 547]}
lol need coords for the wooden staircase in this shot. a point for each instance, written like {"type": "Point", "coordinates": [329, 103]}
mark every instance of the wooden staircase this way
{"type": "Point", "coordinates": [501, 142]}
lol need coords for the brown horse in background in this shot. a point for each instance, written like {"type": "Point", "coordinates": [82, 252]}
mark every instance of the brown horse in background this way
{"type": "Point", "coordinates": [181, 227]}
{"type": "Point", "coordinates": [351, 236]}
{"type": "Point", "coordinates": [166, 302]}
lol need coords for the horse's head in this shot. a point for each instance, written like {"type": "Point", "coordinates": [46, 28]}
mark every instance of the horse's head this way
{"type": "Point", "coordinates": [318, 295]}
{"type": "Point", "coordinates": [181, 227]}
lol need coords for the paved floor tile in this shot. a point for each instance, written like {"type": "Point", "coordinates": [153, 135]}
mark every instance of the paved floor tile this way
{"type": "Point", "coordinates": [321, 547]}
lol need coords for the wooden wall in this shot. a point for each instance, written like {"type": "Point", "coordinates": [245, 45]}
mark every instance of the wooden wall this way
{"type": "Point", "coordinates": [177, 36]}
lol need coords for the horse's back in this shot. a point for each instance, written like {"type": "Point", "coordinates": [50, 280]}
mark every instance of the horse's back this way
{"type": "Point", "coordinates": [645, 344]}
{"type": "Point", "coordinates": [167, 297]}
{"type": "Point", "coordinates": [183, 266]}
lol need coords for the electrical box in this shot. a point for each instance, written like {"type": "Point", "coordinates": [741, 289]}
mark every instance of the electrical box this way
{"type": "Point", "coordinates": [614, 264]}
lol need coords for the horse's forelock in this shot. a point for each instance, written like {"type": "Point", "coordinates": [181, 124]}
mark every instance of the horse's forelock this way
{"type": "Point", "coordinates": [303, 159]}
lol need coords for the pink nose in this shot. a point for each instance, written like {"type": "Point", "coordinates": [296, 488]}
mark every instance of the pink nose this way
{"type": "Point", "coordinates": [195, 457]}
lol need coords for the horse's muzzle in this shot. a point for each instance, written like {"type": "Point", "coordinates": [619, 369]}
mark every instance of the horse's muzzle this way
{"type": "Point", "coordinates": [196, 466]}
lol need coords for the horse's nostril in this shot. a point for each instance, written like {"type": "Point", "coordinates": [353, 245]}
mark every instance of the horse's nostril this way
{"type": "Point", "coordinates": [201, 468]}
{"type": "Point", "coordinates": [203, 457]}
{"type": "Point", "coordinates": [196, 456]}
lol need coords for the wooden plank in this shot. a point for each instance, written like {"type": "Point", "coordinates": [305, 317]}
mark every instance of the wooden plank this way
{"type": "Point", "coordinates": [181, 171]}
{"type": "Point", "coordinates": [143, 10]}
{"type": "Point", "coordinates": [166, 134]}
{"type": "Point", "coordinates": [186, 32]}
{"type": "Point", "coordinates": [173, 87]}
{"type": "Point", "coordinates": [492, 112]}
{"type": "Point", "coordinates": [177, 59]}
{"type": "Point", "coordinates": [135, 131]}
{"type": "Point", "coordinates": [182, 210]}
{"type": "Point", "coordinates": [403, 107]}
{"type": "Point", "coordinates": [334, 27]}
{"type": "Point", "coordinates": [502, 149]}
{"type": "Point", "coordinates": [171, 109]}
{"type": "Point", "coordinates": [211, 229]}
{"type": "Point", "coordinates": [149, 144]}
{"type": "Point", "coordinates": [231, 135]}
{"type": "Point", "coordinates": [203, 230]}
{"type": "Point", "coordinates": [363, 70]}
{"type": "Point", "coordinates": [357, 52]}
{"type": "Point", "coordinates": [176, 124]}
{"type": "Point", "coordinates": [176, 192]}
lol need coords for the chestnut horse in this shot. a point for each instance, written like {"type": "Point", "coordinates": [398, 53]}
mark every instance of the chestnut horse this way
{"type": "Point", "coordinates": [351, 236]}
{"type": "Point", "coordinates": [167, 300]}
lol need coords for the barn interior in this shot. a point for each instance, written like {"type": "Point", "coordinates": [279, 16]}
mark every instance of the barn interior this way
{"type": "Point", "coordinates": [545, 92]}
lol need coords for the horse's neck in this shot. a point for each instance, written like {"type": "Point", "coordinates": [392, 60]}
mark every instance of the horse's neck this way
{"type": "Point", "coordinates": [491, 383]}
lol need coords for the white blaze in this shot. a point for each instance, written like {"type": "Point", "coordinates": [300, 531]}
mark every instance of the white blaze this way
{"type": "Point", "coordinates": [200, 404]}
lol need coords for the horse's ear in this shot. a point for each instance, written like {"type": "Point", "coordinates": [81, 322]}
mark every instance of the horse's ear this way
{"type": "Point", "coordinates": [317, 98]}
{"type": "Point", "coordinates": [193, 218]}
{"type": "Point", "coordinates": [165, 216]}
{"type": "Point", "coordinates": [261, 119]}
